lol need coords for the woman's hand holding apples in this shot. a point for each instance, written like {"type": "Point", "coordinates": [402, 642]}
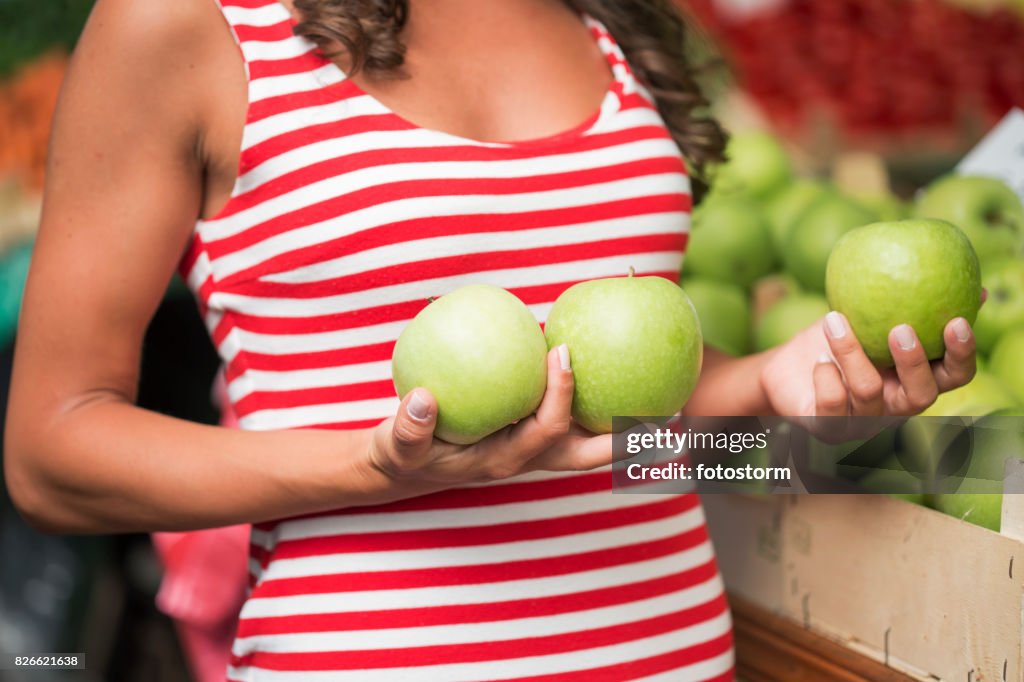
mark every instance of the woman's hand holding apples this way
{"type": "Point", "coordinates": [824, 371]}
{"type": "Point", "coordinates": [404, 449]}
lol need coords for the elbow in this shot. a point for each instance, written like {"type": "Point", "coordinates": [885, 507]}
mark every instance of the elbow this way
{"type": "Point", "coordinates": [29, 493]}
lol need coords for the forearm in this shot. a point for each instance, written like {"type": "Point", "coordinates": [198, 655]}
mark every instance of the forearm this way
{"type": "Point", "coordinates": [730, 386]}
{"type": "Point", "coordinates": [108, 466]}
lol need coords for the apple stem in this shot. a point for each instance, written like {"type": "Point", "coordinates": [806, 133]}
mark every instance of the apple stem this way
{"type": "Point", "coordinates": [632, 271]}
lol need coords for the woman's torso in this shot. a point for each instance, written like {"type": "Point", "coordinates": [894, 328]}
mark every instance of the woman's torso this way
{"type": "Point", "coordinates": [344, 219]}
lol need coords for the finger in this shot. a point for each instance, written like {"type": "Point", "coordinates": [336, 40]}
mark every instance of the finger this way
{"type": "Point", "coordinates": [585, 452]}
{"type": "Point", "coordinates": [957, 366]}
{"type": "Point", "coordinates": [918, 388]}
{"type": "Point", "coordinates": [984, 295]}
{"type": "Point", "coordinates": [553, 418]}
{"type": "Point", "coordinates": [830, 395]}
{"type": "Point", "coordinates": [412, 433]}
{"type": "Point", "coordinates": [862, 379]}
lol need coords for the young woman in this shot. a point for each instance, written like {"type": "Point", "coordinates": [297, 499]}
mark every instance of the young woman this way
{"type": "Point", "coordinates": [529, 144]}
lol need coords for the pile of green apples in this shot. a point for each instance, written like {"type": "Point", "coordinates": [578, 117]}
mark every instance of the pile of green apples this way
{"type": "Point", "coordinates": [758, 271]}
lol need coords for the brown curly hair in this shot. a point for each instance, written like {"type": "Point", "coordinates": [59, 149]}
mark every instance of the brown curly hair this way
{"type": "Point", "coordinates": [651, 34]}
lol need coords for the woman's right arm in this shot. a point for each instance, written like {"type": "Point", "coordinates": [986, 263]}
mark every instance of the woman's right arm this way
{"type": "Point", "coordinates": [124, 189]}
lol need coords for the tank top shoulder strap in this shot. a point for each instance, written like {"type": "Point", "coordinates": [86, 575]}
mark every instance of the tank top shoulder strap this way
{"type": "Point", "coordinates": [621, 71]}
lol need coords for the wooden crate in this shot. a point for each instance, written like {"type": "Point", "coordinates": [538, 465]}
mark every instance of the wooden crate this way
{"type": "Point", "coordinates": [921, 592]}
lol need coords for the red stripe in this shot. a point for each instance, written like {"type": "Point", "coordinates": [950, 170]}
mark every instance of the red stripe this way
{"type": "Point", "coordinates": [248, 4]}
{"type": "Point", "coordinates": [285, 142]}
{"type": "Point", "coordinates": [486, 651]}
{"type": "Point", "coordinates": [397, 312]}
{"type": "Point", "coordinates": [276, 400]}
{"type": "Point", "coordinates": [288, 66]}
{"type": "Point", "coordinates": [632, 670]}
{"type": "Point", "coordinates": [443, 226]}
{"type": "Point", "coordinates": [334, 357]}
{"type": "Point", "coordinates": [481, 536]}
{"type": "Point", "coordinates": [477, 496]}
{"type": "Point", "coordinates": [527, 569]}
{"type": "Point", "coordinates": [377, 195]}
{"type": "Point", "coordinates": [488, 612]}
{"type": "Point", "coordinates": [347, 163]}
{"type": "Point", "coordinates": [264, 34]}
{"type": "Point", "coordinates": [279, 104]}
{"type": "Point", "coordinates": [450, 266]}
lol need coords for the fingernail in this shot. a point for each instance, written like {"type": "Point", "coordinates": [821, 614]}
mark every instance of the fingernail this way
{"type": "Point", "coordinates": [836, 325]}
{"type": "Point", "coordinates": [904, 337]}
{"type": "Point", "coordinates": [418, 408]}
{"type": "Point", "coordinates": [563, 358]}
{"type": "Point", "coordinates": [962, 330]}
{"type": "Point", "coordinates": [824, 359]}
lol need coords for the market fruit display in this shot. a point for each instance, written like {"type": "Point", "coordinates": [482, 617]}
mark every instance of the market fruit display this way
{"type": "Point", "coordinates": [918, 272]}
{"type": "Point", "coordinates": [636, 347]}
{"type": "Point", "coordinates": [783, 319]}
{"type": "Point", "coordinates": [788, 203]}
{"type": "Point", "coordinates": [724, 314]}
{"type": "Point", "coordinates": [757, 166]}
{"type": "Point", "coordinates": [1007, 362]}
{"type": "Point", "coordinates": [986, 209]}
{"type": "Point", "coordinates": [815, 233]}
{"type": "Point", "coordinates": [729, 242]}
{"type": "Point", "coordinates": [1004, 307]}
{"type": "Point", "coordinates": [481, 353]}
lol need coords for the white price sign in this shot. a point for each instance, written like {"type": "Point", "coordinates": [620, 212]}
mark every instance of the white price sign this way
{"type": "Point", "coordinates": [1000, 154]}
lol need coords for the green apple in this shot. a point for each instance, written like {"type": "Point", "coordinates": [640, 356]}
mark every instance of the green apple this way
{"type": "Point", "coordinates": [919, 272]}
{"type": "Point", "coordinates": [729, 242]}
{"type": "Point", "coordinates": [724, 314]}
{"type": "Point", "coordinates": [635, 344]}
{"type": "Point", "coordinates": [1007, 362]}
{"type": "Point", "coordinates": [756, 165]}
{"type": "Point", "coordinates": [481, 353]}
{"type": "Point", "coordinates": [816, 231]}
{"type": "Point", "coordinates": [928, 443]}
{"type": "Point", "coordinates": [786, 317]}
{"type": "Point", "coordinates": [1004, 307]}
{"type": "Point", "coordinates": [978, 497]}
{"type": "Point", "coordinates": [891, 478]}
{"type": "Point", "coordinates": [983, 395]}
{"type": "Point", "coordinates": [886, 206]}
{"type": "Point", "coordinates": [969, 504]}
{"type": "Point", "coordinates": [984, 208]}
{"type": "Point", "coordinates": [787, 204]}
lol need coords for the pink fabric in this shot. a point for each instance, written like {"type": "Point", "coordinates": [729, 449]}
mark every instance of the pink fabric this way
{"type": "Point", "coordinates": [204, 584]}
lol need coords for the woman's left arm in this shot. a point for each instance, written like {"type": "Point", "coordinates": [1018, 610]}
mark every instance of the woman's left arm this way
{"type": "Point", "coordinates": [823, 371]}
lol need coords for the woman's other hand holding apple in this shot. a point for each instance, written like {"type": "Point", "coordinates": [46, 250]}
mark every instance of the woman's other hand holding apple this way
{"type": "Point", "coordinates": [823, 371]}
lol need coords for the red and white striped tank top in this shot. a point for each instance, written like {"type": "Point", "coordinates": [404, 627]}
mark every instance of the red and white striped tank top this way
{"type": "Point", "coordinates": [344, 219]}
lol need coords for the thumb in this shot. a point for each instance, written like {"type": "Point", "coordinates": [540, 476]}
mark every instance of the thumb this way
{"type": "Point", "coordinates": [412, 431]}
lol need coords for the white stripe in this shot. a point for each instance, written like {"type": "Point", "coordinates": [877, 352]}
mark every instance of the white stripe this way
{"type": "Point", "coordinates": [482, 593]}
{"type": "Point", "coordinates": [327, 413]}
{"type": "Point", "coordinates": [492, 631]}
{"type": "Point", "coordinates": [474, 243]}
{"type": "Point", "coordinates": [432, 519]}
{"type": "Point", "coordinates": [317, 151]}
{"type": "Point", "coordinates": [267, 15]}
{"type": "Point", "coordinates": [698, 672]}
{"type": "Point", "coordinates": [297, 380]}
{"type": "Point", "coordinates": [381, 175]}
{"type": "Point", "coordinates": [287, 344]}
{"type": "Point", "coordinates": [420, 290]}
{"type": "Point", "coordinates": [272, 86]}
{"type": "Point", "coordinates": [276, 50]}
{"type": "Point", "coordinates": [583, 659]}
{"type": "Point", "coordinates": [410, 559]}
